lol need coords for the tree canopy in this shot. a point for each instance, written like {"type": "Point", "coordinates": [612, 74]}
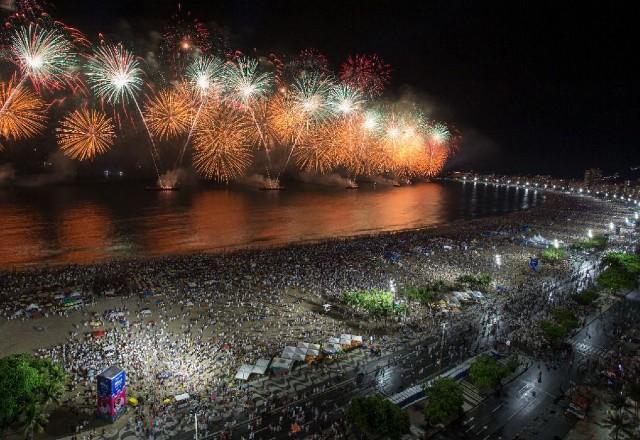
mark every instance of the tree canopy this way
{"type": "Point", "coordinates": [553, 255]}
{"type": "Point", "coordinates": [599, 242]}
{"type": "Point", "coordinates": [27, 385]}
{"type": "Point", "coordinates": [376, 416]}
{"type": "Point", "coordinates": [444, 400]}
{"type": "Point", "coordinates": [375, 302]}
{"type": "Point", "coordinates": [480, 281]}
{"type": "Point", "coordinates": [486, 372]}
{"type": "Point", "coordinates": [622, 272]}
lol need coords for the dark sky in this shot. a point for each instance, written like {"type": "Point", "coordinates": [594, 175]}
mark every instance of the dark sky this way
{"type": "Point", "coordinates": [532, 88]}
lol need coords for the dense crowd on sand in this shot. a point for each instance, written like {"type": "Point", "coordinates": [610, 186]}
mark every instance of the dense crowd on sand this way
{"type": "Point", "coordinates": [186, 323]}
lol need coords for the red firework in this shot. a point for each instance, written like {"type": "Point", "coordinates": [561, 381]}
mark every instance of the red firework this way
{"type": "Point", "coordinates": [185, 37]}
{"type": "Point", "coordinates": [367, 73]}
{"type": "Point", "coordinates": [30, 7]}
{"type": "Point", "coordinates": [308, 60]}
{"type": "Point", "coordinates": [44, 20]}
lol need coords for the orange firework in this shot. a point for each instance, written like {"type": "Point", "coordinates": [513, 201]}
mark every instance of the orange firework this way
{"type": "Point", "coordinates": [261, 122]}
{"type": "Point", "coordinates": [287, 122]}
{"type": "Point", "coordinates": [319, 151]}
{"type": "Point", "coordinates": [432, 159]}
{"type": "Point", "coordinates": [84, 134]}
{"type": "Point", "coordinates": [360, 151]}
{"type": "Point", "coordinates": [222, 147]}
{"type": "Point", "coordinates": [168, 113]}
{"type": "Point", "coordinates": [22, 114]}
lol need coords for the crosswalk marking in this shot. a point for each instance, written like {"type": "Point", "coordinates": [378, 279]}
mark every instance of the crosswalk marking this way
{"type": "Point", "coordinates": [472, 397]}
{"type": "Point", "coordinates": [589, 350]}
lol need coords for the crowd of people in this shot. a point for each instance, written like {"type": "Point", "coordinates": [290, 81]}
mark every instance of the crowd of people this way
{"type": "Point", "coordinates": [185, 324]}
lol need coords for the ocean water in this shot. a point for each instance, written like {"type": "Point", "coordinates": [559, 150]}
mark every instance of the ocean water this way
{"type": "Point", "coordinates": [90, 223]}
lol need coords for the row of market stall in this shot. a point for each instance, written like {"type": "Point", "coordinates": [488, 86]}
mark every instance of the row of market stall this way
{"type": "Point", "coordinates": [303, 352]}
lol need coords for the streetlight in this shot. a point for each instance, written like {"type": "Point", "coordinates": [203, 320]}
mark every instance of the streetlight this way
{"type": "Point", "coordinates": [556, 244]}
{"type": "Point", "coordinates": [444, 326]}
{"type": "Point", "coordinates": [590, 233]}
{"type": "Point", "coordinates": [611, 226]}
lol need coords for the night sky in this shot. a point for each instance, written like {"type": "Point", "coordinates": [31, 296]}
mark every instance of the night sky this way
{"type": "Point", "coordinates": [533, 88]}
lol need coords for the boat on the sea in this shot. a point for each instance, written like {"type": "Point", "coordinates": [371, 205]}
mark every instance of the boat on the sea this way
{"type": "Point", "coordinates": [351, 184]}
{"type": "Point", "coordinates": [271, 185]}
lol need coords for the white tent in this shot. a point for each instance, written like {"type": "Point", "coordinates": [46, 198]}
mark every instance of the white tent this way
{"type": "Point", "coordinates": [261, 366]}
{"type": "Point", "coordinates": [288, 352]}
{"type": "Point", "coordinates": [308, 346]}
{"type": "Point", "coordinates": [332, 348]}
{"type": "Point", "coordinates": [280, 364]}
{"type": "Point", "coordinates": [244, 372]}
{"type": "Point", "coordinates": [461, 296]}
{"type": "Point", "coordinates": [181, 397]}
{"type": "Point", "coordinates": [300, 354]}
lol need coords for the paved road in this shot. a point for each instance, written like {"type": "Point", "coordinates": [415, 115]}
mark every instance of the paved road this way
{"type": "Point", "coordinates": [527, 408]}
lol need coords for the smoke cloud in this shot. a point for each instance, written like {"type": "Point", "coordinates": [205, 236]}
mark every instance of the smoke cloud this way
{"type": "Point", "coordinates": [7, 174]}
{"type": "Point", "coordinates": [62, 170]}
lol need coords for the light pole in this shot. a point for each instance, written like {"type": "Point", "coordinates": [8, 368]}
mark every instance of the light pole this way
{"type": "Point", "coordinates": [444, 326]}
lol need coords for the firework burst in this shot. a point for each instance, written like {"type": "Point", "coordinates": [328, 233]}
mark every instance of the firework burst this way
{"type": "Point", "coordinates": [345, 100]}
{"type": "Point", "coordinates": [320, 151]}
{"type": "Point", "coordinates": [244, 83]}
{"type": "Point", "coordinates": [30, 7]}
{"type": "Point", "coordinates": [310, 95]}
{"type": "Point", "coordinates": [307, 61]}
{"type": "Point", "coordinates": [183, 39]}
{"type": "Point", "coordinates": [114, 74]}
{"type": "Point", "coordinates": [24, 113]}
{"type": "Point", "coordinates": [85, 134]}
{"type": "Point", "coordinates": [438, 133]}
{"type": "Point", "coordinates": [222, 151]}
{"type": "Point", "coordinates": [206, 75]}
{"type": "Point", "coordinates": [168, 114]}
{"type": "Point", "coordinates": [44, 55]}
{"type": "Point", "coordinates": [367, 73]}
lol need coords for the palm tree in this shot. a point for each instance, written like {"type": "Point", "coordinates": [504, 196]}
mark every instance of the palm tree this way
{"type": "Point", "coordinates": [619, 402]}
{"type": "Point", "coordinates": [618, 424]}
{"type": "Point", "coordinates": [34, 419]}
{"type": "Point", "coordinates": [51, 393]}
{"type": "Point", "coordinates": [633, 390]}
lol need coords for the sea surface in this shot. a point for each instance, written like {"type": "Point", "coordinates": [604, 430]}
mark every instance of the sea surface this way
{"type": "Point", "coordinates": [96, 222]}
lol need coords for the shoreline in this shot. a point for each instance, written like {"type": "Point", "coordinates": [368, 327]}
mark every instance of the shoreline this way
{"type": "Point", "coordinates": [259, 247]}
